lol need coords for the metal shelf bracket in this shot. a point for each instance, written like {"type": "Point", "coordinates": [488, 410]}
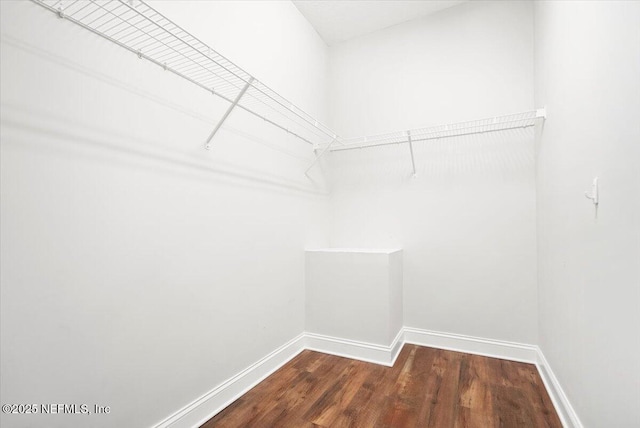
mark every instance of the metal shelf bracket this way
{"type": "Point", "coordinates": [227, 113]}
{"type": "Point", "coordinates": [413, 162]}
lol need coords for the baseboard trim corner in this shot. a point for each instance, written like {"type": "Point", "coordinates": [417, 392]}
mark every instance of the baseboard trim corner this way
{"type": "Point", "coordinates": [567, 414]}
{"type": "Point", "coordinates": [363, 351]}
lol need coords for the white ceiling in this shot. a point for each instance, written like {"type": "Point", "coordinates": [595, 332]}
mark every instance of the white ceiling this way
{"type": "Point", "coordinates": [340, 20]}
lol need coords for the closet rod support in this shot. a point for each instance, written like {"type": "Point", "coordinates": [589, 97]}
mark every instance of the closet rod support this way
{"type": "Point", "coordinates": [413, 162]}
{"type": "Point", "coordinates": [335, 137]}
{"type": "Point", "coordinates": [228, 112]}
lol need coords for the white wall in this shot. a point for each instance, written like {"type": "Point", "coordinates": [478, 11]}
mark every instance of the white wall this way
{"type": "Point", "coordinates": [467, 222]}
{"type": "Point", "coordinates": [267, 38]}
{"type": "Point", "coordinates": [466, 62]}
{"type": "Point", "coordinates": [138, 270]}
{"type": "Point", "coordinates": [588, 76]}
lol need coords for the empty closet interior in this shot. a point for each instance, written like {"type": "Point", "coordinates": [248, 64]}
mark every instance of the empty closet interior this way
{"type": "Point", "coordinates": [195, 194]}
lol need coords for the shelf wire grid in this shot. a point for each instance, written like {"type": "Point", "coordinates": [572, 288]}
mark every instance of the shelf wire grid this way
{"type": "Point", "coordinates": [479, 126]}
{"type": "Point", "coordinates": [139, 28]}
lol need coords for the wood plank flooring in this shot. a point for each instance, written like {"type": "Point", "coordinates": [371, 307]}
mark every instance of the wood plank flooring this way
{"type": "Point", "coordinates": [425, 388]}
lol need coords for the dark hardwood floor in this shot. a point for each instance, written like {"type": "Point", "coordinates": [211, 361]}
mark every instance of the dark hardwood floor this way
{"type": "Point", "coordinates": [425, 388]}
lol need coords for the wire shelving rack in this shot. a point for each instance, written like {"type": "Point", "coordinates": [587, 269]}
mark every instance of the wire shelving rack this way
{"type": "Point", "coordinates": [480, 126]}
{"type": "Point", "coordinates": [142, 30]}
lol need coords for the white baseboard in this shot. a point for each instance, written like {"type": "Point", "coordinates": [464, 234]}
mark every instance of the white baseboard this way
{"type": "Point", "coordinates": [472, 345]}
{"type": "Point", "coordinates": [369, 352]}
{"type": "Point", "coordinates": [202, 409]}
{"type": "Point", "coordinates": [565, 410]}
{"type": "Point", "coordinates": [506, 351]}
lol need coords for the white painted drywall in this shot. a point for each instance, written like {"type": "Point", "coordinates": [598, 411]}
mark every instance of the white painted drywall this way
{"type": "Point", "coordinates": [138, 270]}
{"type": "Point", "coordinates": [466, 62]}
{"type": "Point", "coordinates": [339, 21]}
{"type": "Point", "coordinates": [588, 76]}
{"type": "Point", "coordinates": [467, 222]}
{"type": "Point", "coordinates": [354, 295]}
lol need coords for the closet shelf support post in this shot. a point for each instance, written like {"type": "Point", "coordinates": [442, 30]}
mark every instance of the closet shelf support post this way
{"type": "Point", "coordinates": [227, 113]}
{"type": "Point", "coordinates": [413, 162]}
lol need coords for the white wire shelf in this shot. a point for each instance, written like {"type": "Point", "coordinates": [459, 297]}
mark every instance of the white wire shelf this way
{"type": "Point", "coordinates": [492, 124]}
{"type": "Point", "coordinates": [139, 28]}
{"type": "Point", "coordinates": [480, 126]}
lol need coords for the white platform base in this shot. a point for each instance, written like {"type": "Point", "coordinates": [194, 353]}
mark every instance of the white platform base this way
{"type": "Point", "coordinates": [205, 407]}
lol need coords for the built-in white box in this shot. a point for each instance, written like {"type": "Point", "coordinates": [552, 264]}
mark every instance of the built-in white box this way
{"type": "Point", "coordinates": [354, 294]}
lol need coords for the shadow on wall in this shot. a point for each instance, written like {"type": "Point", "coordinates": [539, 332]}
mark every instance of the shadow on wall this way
{"type": "Point", "coordinates": [157, 128]}
{"type": "Point", "coordinates": [99, 146]}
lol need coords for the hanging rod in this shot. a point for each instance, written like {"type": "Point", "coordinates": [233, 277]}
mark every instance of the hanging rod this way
{"type": "Point", "coordinates": [479, 126]}
{"type": "Point", "coordinates": [142, 30]}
